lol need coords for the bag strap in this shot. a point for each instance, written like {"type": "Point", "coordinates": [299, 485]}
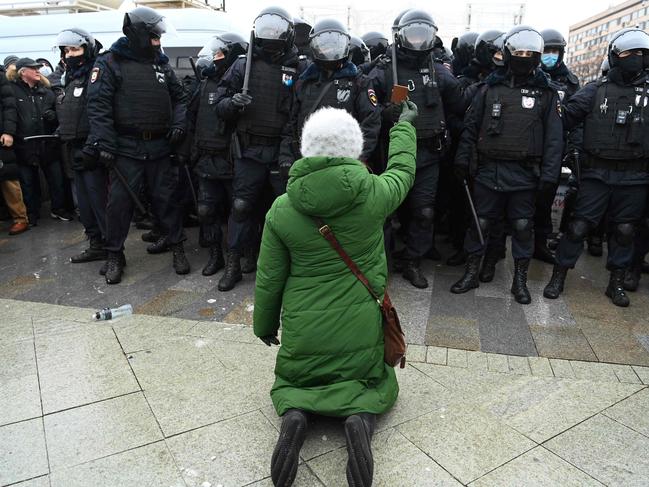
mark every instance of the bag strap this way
{"type": "Point", "coordinates": [328, 234]}
{"type": "Point", "coordinates": [321, 95]}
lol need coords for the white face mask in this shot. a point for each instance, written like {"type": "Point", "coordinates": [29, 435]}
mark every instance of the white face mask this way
{"type": "Point", "coordinates": [45, 71]}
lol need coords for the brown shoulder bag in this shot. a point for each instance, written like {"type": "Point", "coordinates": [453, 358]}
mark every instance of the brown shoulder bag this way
{"type": "Point", "coordinates": [393, 337]}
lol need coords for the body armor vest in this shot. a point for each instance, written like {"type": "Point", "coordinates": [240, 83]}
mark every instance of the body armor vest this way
{"type": "Point", "coordinates": [271, 89]}
{"type": "Point", "coordinates": [424, 92]}
{"type": "Point", "coordinates": [342, 94]}
{"type": "Point", "coordinates": [210, 134]}
{"type": "Point", "coordinates": [616, 127]}
{"type": "Point", "coordinates": [71, 111]}
{"type": "Point", "coordinates": [512, 124]}
{"type": "Point", "coordinates": [142, 101]}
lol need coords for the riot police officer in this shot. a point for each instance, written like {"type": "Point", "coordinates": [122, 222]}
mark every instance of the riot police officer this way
{"type": "Point", "coordinates": [463, 48]}
{"type": "Point", "coordinates": [359, 53]}
{"type": "Point", "coordinates": [332, 80]}
{"type": "Point", "coordinates": [210, 145]}
{"type": "Point", "coordinates": [136, 107]}
{"type": "Point", "coordinates": [301, 41]}
{"type": "Point", "coordinates": [514, 125]}
{"type": "Point", "coordinates": [615, 161]}
{"type": "Point", "coordinates": [79, 50]}
{"type": "Point", "coordinates": [260, 117]}
{"type": "Point", "coordinates": [435, 91]}
{"type": "Point", "coordinates": [376, 42]}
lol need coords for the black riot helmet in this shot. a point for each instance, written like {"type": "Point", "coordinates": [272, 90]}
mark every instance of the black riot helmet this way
{"type": "Point", "coordinates": [330, 43]}
{"type": "Point", "coordinates": [397, 19]}
{"type": "Point", "coordinates": [376, 42]}
{"type": "Point", "coordinates": [302, 31]}
{"type": "Point", "coordinates": [76, 37]}
{"type": "Point", "coordinates": [416, 31]}
{"type": "Point", "coordinates": [632, 39]}
{"type": "Point", "coordinates": [223, 49]}
{"type": "Point", "coordinates": [522, 39]}
{"type": "Point", "coordinates": [274, 29]}
{"type": "Point", "coordinates": [485, 48]}
{"type": "Point", "coordinates": [499, 43]}
{"type": "Point", "coordinates": [554, 39]}
{"type": "Point", "coordinates": [143, 24]}
{"type": "Point", "coordinates": [463, 48]}
{"type": "Point", "coordinates": [358, 51]}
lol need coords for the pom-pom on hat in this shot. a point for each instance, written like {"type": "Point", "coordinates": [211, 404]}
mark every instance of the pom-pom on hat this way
{"type": "Point", "coordinates": [331, 132]}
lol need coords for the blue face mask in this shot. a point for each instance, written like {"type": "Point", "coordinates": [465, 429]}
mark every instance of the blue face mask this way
{"type": "Point", "coordinates": [549, 60]}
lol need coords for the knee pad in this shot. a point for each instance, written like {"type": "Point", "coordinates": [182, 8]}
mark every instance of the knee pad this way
{"type": "Point", "coordinates": [624, 233]}
{"type": "Point", "coordinates": [425, 216]}
{"type": "Point", "coordinates": [485, 226]}
{"type": "Point", "coordinates": [205, 212]}
{"type": "Point", "coordinates": [241, 209]}
{"type": "Point", "coordinates": [522, 229]}
{"type": "Point", "coordinates": [578, 230]}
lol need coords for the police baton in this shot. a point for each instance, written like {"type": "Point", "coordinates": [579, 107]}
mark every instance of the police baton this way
{"type": "Point", "coordinates": [130, 192]}
{"type": "Point", "coordinates": [191, 186]}
{"type": "Point", "coordinates": [246, 77]}
{"type": "Point", "coordinates": [194, 68]}
{"type": "Point", "coordinates": [473, 212]}
{"type": "Point", "coordinates": [39, 137]}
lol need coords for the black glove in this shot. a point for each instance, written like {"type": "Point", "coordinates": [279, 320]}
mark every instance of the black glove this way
{"type": "Point", "coordinates": [241, 100]}
{"type": "Point", "coordinates": [461, 172]}
{"type": "Point", "coordinates": [547, 187]}
{"type": "Point", "coordinates": [90, 157]}
{"type": "Point", "coordinates": [49, 115]}
{"type": "Point", "coordinates": [175, 136]}
{"type": "Point", "coordinates": [391, 113]}
{"type": "Point", "coordinates": [284, 168]}
{"type": "Point", "coordinates": [268, 339]}
{"type": "Point", "coordinates": [106, 158]}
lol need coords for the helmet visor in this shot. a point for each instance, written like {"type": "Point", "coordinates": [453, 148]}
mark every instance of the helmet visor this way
{"type": "Point", "coordinates": [417, 36]}
{"type": "Point", "coordinates": [69, 38]}
{"type": "Point", "coordinates": [214, 50]}
{"type": "Point", "coordinates": [330, 46]}
{"type": "Point", "coordinates": [272, 27]}
{"type": "Point", "coordinates": [630, 41]}
{"type": "Point", "coordinates": [162, 26]}
{"type": "Point", "coordinates": [526, 40]}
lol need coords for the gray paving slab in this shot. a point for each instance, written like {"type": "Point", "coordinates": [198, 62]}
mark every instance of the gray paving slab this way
{"type": "Point", "coordinates": [606, 450]}
{"type": "Point", "coordinates": [43, 481]}
{"type": "Point", "coordinates": [633, 412]}
{"type": "Point", "coordinates": [643, 373]}
{"type": "Point", "coordinates": [22, 451]}
{"type": "Point", "coordinates": [151, 465]}
{"type": "Point", "coordinates": [101, 429]}
{"type": "Point", "coordinates": [304, 478]}
{"type": "Point", "coordinates": [19, 394]}
{"type": "Point", "coordinates": [503, 328]}
{"type": "Point", "coordinates": [413, 306]}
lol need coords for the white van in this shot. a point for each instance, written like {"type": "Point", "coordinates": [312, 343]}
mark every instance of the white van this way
{"type": "Point", "coordinates": [34, 36]}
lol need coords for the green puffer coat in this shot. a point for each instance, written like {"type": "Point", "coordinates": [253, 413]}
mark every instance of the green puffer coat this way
{"type": "Point", "coordinates": [331, 358]}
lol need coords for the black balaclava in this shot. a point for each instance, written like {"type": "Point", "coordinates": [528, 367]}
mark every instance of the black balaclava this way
{"type": "Point", "coordinates": [522, 67]}
{"type": "Point", "coordinates": [631, 66]}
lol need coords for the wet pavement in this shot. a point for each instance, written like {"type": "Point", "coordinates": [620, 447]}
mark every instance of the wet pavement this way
{"type": "Point", "coordinates": [581, 325]}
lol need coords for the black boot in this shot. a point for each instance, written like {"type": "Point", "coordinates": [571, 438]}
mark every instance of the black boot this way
{"type": "Point", "coordinates": [433, 254]}
{"type": "Point", "coordinates": [180, 262]}
{"type": "Point", "coordinates": [554, 288]}
{"type": "Point", "coordinates": [412, 273]}
{"type": "Point", "coordinates": [595, 245]}
{"type": "Point", "coordinates": [615, 289]}
{"type": "Point", "coordinates": [114, 267]}
{"type": "Point", "coordinates": [541, 250]}
{"type": "Point", "coordinates": [232, 273]}
{"type": "Point", "coordinates": [104, 267]}
{"type": "Point", "coordinates": [286, 456]}
{"type": "Point", "coordinates": [519, 284]}
{"type": "Point", "coordinates": [151, 236]}
{"type": "Point", "coordinates": [488, 270]}
{"type": "Point", "coordinates": [215, 263]}
{"type": "Point", "coordinates": [94, 252]}
{"type": "Point", "coordinates": [160, 246]}
{"type": "Point", "coordinates": [470, 278]}
{"type": "Point", "coordinates": [458, 258]}
{"type": "Point", "coordinates": [632, 278]}
{"type": "Point", "coordinates": [359, 429]}
{"type": "Point", "coordinates": [249, 261]}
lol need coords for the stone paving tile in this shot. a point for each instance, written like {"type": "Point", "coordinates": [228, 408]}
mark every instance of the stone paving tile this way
{"type": "Point", "coordinates": [518, 365]}
{"type": "Point", "coordinates": [615, 343]}
{"type": "Point", "coordinates": [565, 343]}
{"type": "Point", "coordinates": [396, 462]}
{"type": "Point", "coordinates": [436, 355]}
{"type": "Point", "coordinates": [608, 451]}
{"type": "Point", "coordinates": [413, 305]}
{"type": "Point", "coordinates": [503, 328]}
{"type": "Point", "coordinates": [594, 371]}
{"type": "Point", "coordinates": [305, 478]}
{"type": "Point", "coordinates": [43, 481]}
{"type": "Point", "coordinates": [547, 313]}
{"type": "Point", "coordinates": [562, 368]}
{"type": "Point", "coordinates": [497, 363]}
{"type": "Point", "coordinates": [465, 440]}
{"type": "Point", "coordinates": [632, 412]}
{"type": "Point", "coordinates": [643, 373]}
{"type": "Point", "coordinates": [453, 332]}
{"type": "Point", "coordinates": [477, 360]}
{"type": "Point", "coordinates": [416, 353]}
{"type": "Point", "coordinates": [457, 358]}
{"type": "Point", "coordinates": [233, 452]}
{"type": "Point", "coordinates": [79, 368]}
{"type": "Point", "coordinates": [150, 465]}
{"type": "Point", "coordinates": [22, 451]}
{"type": "Point", "coordinates": [89, 432]}
{"type": "Point", "coordinates": [136, 335]}
{"type": "Point", "coordinates": [224, 332]}
{"type": "Point", "coordinates": [625, 373]}
{"type": "Point", "coordinates": [540, 366]}
{"type": "Point", "coordinates": [19, 394]}
{"type": "Point", "coordinates": [536, 468]}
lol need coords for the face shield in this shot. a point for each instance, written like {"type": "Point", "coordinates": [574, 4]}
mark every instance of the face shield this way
{"type": "Point", "coordinates": [213, 50]}
{"type": "Point", "coordinates": [630, 41]}
{"type": "Point", "coordinates": [69, 38]}
{"type": "Point", "coordinates": [523, 42]}
{"type": "Point", "coordinates": [272, 27]}
{"type": "Point", "coordinates": [162, 26]}
{"type": "Point", "coordinates": [330, 46]}
{"type": "Point", "coordinates": [417, 36]}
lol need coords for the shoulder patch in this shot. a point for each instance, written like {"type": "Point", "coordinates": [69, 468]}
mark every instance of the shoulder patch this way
{"type": "Point", "coordinates": [559, 109]}
{"type": "Point", "coordinates": [371, 95]}
{"type": "Point", "coordinates": [94, 75]}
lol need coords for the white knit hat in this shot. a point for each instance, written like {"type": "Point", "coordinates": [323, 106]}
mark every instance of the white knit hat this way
{"type": "Point", "coordinates": [331, 132]}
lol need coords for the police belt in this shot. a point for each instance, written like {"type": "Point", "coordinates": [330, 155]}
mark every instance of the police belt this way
{"type": "Point", "coordinates": [248, 139]}
{"type": "Point", "coordinates": [141, 134]}
{"type": "Point", "coordinates": [592, 162]}
{"type": "Point", "coordinates": [433, 143]}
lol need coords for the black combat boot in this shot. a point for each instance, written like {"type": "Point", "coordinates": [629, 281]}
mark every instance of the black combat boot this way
{"type": "Point", "coordinates": [488, 270]}
{"type": "Point", "coordinates": [249, 261]}
{"type": "Point", "coordinates": [215, 262]}
{"type": "Point", "coordinates": [286, 456]}
{"type": "Point", "coordinates": [519, 283]}
{"type": "Point", "coordinates": [151, 236]}
{"type": "Point", "coordinates": [632, 278]}
{"type": "Point", "coordinates": [180, 262]}
{"type": "Point", "coordinates": [104, 267]}
{"type": "Point", "coordinates": [232, 273]}
{"type": "Point", "coordinates": [470, 278]}
{"type": "Point", "coordinates": [595, 245]}
{"type": "Point", "coordinates": [458, 258]}
{"type": "Point", "coordinates": [615, 289]}
{"type": "Point", "coordinates": [94, 252]}
{"type": "Point", "coordinates": [359, 429]}
{"type": "Point", "coordinates": [160, 246]}
{"type": "Point", "coordinates": [114, 267]}
{"type": "Point", "coordinates": [412, 272]}
{"type": "Point", "coordinates": [554, 288]}
{"type": "Point", "coordinates": [541, 250]}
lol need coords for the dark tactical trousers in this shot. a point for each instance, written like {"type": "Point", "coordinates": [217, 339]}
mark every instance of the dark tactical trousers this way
{"type": "Point", "coordinates": [162, 179]}
{"type": "Point", "coordinates": [595, 198]}
{"type": "Point", "coordinates": [92, 196]}
{"type": "Point", "coordinates": [214, 202]}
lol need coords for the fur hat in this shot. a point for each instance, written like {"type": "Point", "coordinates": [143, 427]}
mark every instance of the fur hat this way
{"type": "Point", "coordinates": [331, 132]}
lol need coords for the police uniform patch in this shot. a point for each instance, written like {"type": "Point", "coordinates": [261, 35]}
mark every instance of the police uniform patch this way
{"type": "Point", "coordinates": [287, 79]}
{"type": "Point", "coordinates": [371, 94]}
{"type": "Point", "coordinates": [343, 96]}
{"type": "Point", "coordinates": [78, 91]}
{"type": "Point", "coordinates": [559, 109]}
{"type": "Point", "coordinates": [94, 75]}
{"type": "Point", "coordinates": [528, 102]}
